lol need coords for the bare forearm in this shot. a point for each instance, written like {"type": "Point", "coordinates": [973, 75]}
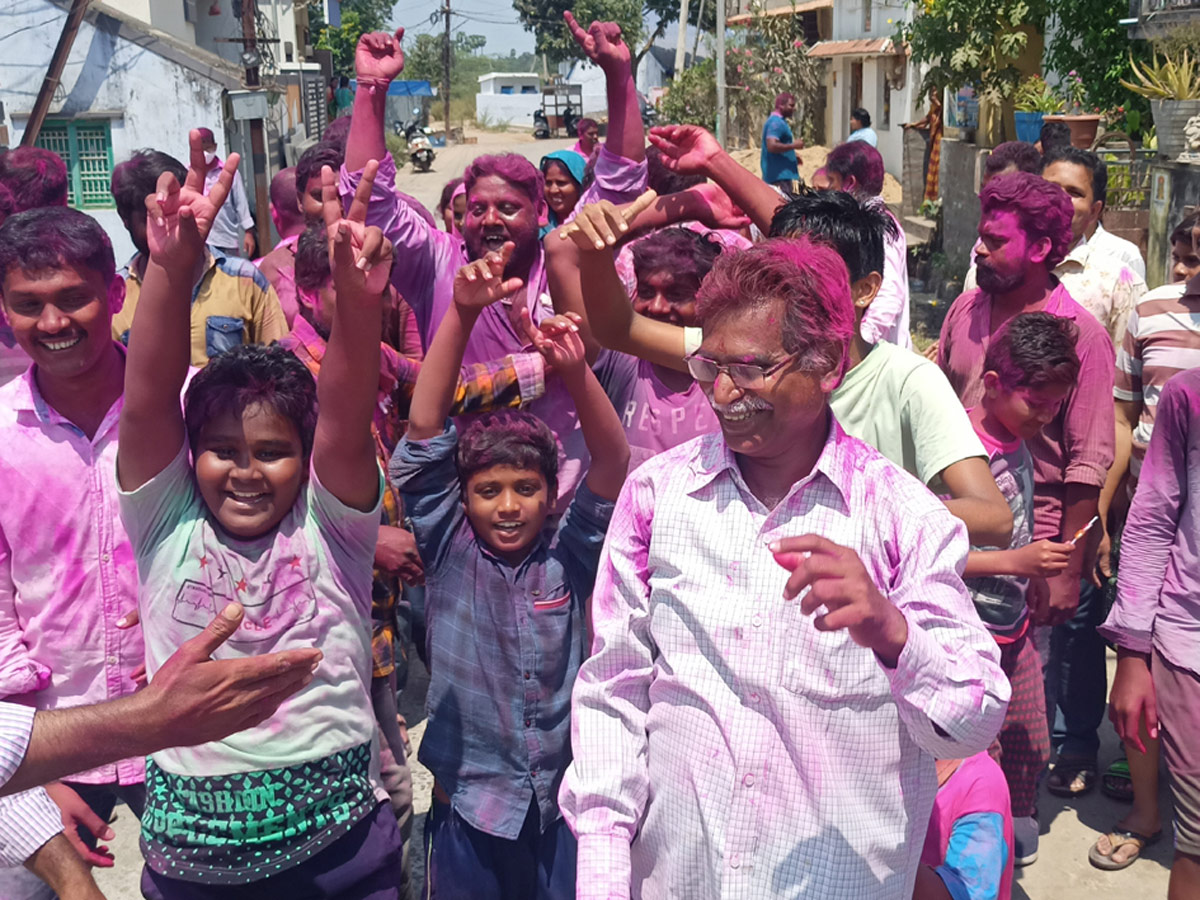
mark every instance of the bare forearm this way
{"type": "Point", "coordinates": [602, 432]}
{"type": "Point", "coordinates": [981, 563]}
{"type": "Point", "coordinates": [84, 737]}
{"type": "Point", "coordinates": [626, 136]}
{"type": "Point", "coordinates": [159, 357]}
{"type": "Point", "coordinates": [57, 864]}
{"type": "Point", "coordinates": [1123, 450]}
{"type": "Point", "coordinates": [929, 885]}
{"type": "Point", "coordinates": [566, 290]}
{"type": "Point", "coordinates": [434, 393]}
{"type": "Point", "coordinates": [365, 141]}
{"type": "Point", "coordinates": [988, 523]}
{"type": "Point", "coordinates": [756, 198]}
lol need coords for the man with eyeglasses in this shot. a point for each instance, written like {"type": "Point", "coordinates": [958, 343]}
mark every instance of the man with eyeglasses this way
{"type": "Point", "coordinates": [783, 644]}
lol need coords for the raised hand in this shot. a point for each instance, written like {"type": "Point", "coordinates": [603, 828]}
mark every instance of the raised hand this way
{"type": "Point", "coordinates": [600, 225]}
{"type": "Point", "coordinates": [687, 149]}
{"type": "Point", "coordinates": [179, 218]}
{"type": "Point", "coordinates": [481, 283]}
{"type": "Point", "coordinates": [557, 339]}
{"type": "Point", "coordinates": [602, 42]}
{"type": "Point", "coordinates": [359, 256]}
{"type": "Point", "coordinates": [836, 578]}
{"type": "Point", "coordinates": [379, 56]}
{"type": "Point", "coordinates": [718, 210]}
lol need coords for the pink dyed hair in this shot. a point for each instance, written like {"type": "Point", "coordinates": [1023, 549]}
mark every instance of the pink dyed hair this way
{"type": "Point", "coordinates": [811, 280]}
{"type": "Point", "coordinates": [860, 161]}
{"type": "Point", "coordinates": [513, 168]}
{"type": "Point", "coordinates": [784, 97]}
{"type": "Point", "coordinates": [31, 177]}
{"type": "Point", "coordinates": [583, 125]}
{"type": "Point", "coordinates": [1043, 209]}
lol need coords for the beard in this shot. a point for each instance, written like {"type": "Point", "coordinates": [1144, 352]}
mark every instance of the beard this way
{"type": "Point", "coordinates": [993, 282]}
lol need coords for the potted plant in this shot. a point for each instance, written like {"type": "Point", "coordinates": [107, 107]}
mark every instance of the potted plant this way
{"type": "Point", "coordinates": [1033, 100]}
{"type": "Point", "coordinates": [1083, 124]}
{"type": "Point", "coordinates": [1172, 85]}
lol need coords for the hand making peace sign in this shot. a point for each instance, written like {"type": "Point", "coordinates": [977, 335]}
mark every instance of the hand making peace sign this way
{"type": "Point", "coordinates": [359, 255]}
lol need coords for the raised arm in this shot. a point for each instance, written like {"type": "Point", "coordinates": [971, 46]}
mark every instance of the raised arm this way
{"type": "Point", "coordinates": [559, 342]}
{"type": "Point", "coordinates": [607, 316]}
{"type": "Point", "coordinates": [975, 499]}
{"type": "Point", "coordinates": [361, 260]}
{"type": "Point", "coordinates": [691, 150]}
{"type": "Point", "coordinates": [178, 220]}
{"type": "Point", "coordinates": [604, 46]}
{"type": "Point", "coordinates": [378, 59]}
{"type": "Point", "coordinates": [476, 286]}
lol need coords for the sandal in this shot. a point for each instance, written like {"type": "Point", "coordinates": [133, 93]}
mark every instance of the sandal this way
{"type": "Point", "coordinates": [1116, 781]}
{"type": "Point", "coordinates": [1072, 777]}
{"type": "Point", "coordinates": [1118, 838]}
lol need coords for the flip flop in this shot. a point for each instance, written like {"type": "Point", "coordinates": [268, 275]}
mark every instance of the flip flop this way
{"type": "Point", "coordinates": [1068, 771]}
{"type": "Point", "coordinates": [1120, 837]}
{"type": "Point", "coordinates": [1116, 781]}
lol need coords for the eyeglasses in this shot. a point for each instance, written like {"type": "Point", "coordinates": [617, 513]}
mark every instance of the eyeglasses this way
{"type": "Point", "coordinates": [745, 376]}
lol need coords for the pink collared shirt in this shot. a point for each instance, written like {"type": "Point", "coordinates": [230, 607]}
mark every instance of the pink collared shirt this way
{"type": "Point", "coordinates": [887, 318]}
{"type": "Point", "coordinates": [67, 573]}
{"type": "Point", "coordinates": [1078, 446]}
{"type": "Point", "coordinates": [724, 747]}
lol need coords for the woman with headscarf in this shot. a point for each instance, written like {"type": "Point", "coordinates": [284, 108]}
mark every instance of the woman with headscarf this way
{"type": "Point", "coordinates": [564, 173]}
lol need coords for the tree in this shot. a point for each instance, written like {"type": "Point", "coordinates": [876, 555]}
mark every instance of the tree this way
{"type": "Point", "coordinates": [423, 58]}
{"type": "Point", "coordinates": [359, 17]}
{"type": "Point", "coordinates": [469, 43]}
{"type": "Point", "coordinates": [965, 42]}
{"type": "Point", "coordinates": [1090, 41]}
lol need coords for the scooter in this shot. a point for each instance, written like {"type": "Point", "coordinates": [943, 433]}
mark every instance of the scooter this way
{"type": "Point", "coordinates": [541, 125]}
{"type": "Point", "coordinates": [420, 148]}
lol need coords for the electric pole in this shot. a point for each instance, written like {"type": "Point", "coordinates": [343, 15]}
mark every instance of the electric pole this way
{"type": "Point", "coordinates": [722, 118]}
{"type": "Point", "coordinates": [699, 26]}
{"type": "Point", "coordinates": [50, 83]}
{"type": "Point", "coordinates": [258, 143]}
{"type": "Point", "coordinates": [681, 44]}
{"type": "Point", "coordinates": [446, 73]}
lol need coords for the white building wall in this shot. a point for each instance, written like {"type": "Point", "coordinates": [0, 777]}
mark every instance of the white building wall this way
{"type": "Point", "coordinates": [150, 101]}
{"type": "Point", "coordinates": [514, 109]}
{"type": "Point", "coordinates": [165, 15]}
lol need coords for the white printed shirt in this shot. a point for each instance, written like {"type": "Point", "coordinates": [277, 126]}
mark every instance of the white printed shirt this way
{"type": "Point", "coordinates": [725, 748]}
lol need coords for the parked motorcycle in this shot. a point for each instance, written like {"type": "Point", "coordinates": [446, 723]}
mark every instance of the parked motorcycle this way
{"type": "Point", "coordinates": [541, 125]}
{"type": "Point", "coordinates": [570, 121]}
{"type": "Point", "coordinates": [420, 148]}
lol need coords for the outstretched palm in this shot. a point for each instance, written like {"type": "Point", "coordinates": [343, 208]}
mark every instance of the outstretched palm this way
{"type": "Point", "coordinates": [179, 218]}
{"type": "Point", "coordinates": [687, 149]}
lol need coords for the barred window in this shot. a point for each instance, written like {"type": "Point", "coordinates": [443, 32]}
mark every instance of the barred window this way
{"type": "Point", "coordinates": [86, 147]}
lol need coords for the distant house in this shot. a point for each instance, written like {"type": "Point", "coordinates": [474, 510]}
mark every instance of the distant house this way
{"type": "Point", "coordinates": [125, 86]}
{"type": "Point", "coordinates": [510, 97]}
{"type": "Point", "coordinates": [654, 72]}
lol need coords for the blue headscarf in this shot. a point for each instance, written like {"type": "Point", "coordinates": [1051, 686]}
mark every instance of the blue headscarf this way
{"type": "Point", "coordinates": [576, 167]}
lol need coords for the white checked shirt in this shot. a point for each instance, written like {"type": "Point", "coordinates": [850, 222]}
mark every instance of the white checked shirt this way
{"type": "Point", "coordinates": [724, 748]}
{"type": "Point", "coordinates": [30, 818]}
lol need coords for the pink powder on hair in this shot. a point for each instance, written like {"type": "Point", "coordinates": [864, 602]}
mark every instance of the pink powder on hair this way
{"type": "Point", "coordinates": [1042, 208]}
{"type": "Point", "coordinates": [513, 168]}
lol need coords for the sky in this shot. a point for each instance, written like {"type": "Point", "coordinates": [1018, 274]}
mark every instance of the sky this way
{"type": "Point", "coordinates": [498, 23]}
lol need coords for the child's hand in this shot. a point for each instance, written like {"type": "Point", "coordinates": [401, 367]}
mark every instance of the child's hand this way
{"type": "Point", "coordinates": [178, 219]}
{"type": "Point", "coordinates": [600, 225]}
{"type": "Point", "coordinates": [1044, 559]}
{"type": "Point", "coordinates": [481, 283]}
{"type": "Point", "coordinates": [557, 339]}
{"type": "Point", "coordinates": [360, 256]}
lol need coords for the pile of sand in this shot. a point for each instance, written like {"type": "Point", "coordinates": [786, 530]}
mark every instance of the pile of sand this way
{"type": "Point", "coordinates": [811, 159]}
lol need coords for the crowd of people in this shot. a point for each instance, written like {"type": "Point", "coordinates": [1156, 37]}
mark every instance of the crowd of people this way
{"type": "Point", "coordinates": [724, 590]}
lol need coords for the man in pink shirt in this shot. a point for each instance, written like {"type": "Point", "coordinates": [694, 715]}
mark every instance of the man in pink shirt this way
{"type": "Point", "coordinates": [66, 571]}
{"type": "Point", "coordinates": [279, 266]}
{"type": "Point", "coordinates": [1025, 231]}
{"type": "Point", "coordinates": [747, 730]}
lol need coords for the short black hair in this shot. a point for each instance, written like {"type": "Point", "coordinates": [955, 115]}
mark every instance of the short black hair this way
{"type": "Point", "coordinates": [1089, 160]}
{"type": "Point", "coordinates": [1054, 136]}
{"type": "Point", "coordinates": [322, 153]}
{"type": "Point", "coordinates": [857, 229]}
{"type": "Point", "coordinates": [1019, 154]}
{"type": "Point", "coordinates": [46, 238]}
{"type": "Point", "coordinates": [312, 257]}
{"type": "Point", "coordinates": [681, 251]}
{"type": "Point", "coordinates": [250, 374]}
{"type": "Point", "coordinates": [517, 439]}
{"type": "Point", "coordinates": [662, 180]}
{"type": "Point", "coordinates": [1036, 350]}
{"type": "Point", "coordinates": [32, 177]}
{"type": "Point", "coordinates": [137, 178]}
{"type": "Point", "coordinates": [1184, 230]}
{"type": "Point", "coordinates": [862, 115]}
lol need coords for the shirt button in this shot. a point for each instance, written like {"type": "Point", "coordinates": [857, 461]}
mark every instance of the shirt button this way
{"type": "Point", "coordinates": [104, 557]}
{"type": "Point", "coordinates": [528, 722]}
{"type": "Point", "coordinates": [537, 593]}
{"type": "Point", "coordinates": [754, 697]}
{"type": "Point", "coordinates": [756, 621]}
{"type": "Point", "coordinates": [528, 675]}
{"type": "Point", "coordinates": [748, 781]}
{"type": "Point", "coordinates": [111, 660]}
{"type": "Point", "coordinates": [735, 860]}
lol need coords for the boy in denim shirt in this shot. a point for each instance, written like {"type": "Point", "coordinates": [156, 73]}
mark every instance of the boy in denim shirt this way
{"type": "Point", "coordinates": [505, 604]}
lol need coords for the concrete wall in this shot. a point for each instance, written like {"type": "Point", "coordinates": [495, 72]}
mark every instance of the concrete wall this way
{"type": "Point", "coordinates": [958, 182]}
{"type": "Point", "coordinates": [1174, 192]}
{"type": "Point", "coordinates": [165, 15]}
{"type": "Point", "coordinates": [150, 101]}
{"type": "Point", "coordinates": [515, 109]}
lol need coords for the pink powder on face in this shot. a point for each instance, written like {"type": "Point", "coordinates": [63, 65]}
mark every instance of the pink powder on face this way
{"type": "Point", "coordinates": [1043, 209]}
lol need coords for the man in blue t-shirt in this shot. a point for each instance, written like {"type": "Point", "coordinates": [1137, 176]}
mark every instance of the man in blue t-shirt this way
{"type": "Point", "coordinates": [780, 165]}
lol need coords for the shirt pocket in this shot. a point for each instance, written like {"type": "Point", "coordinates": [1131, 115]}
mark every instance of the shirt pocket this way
{"type": "Point", "coordinates": [222, 333]}
{"type": "Point", "coordinates": [827, 669]}
{"type": "Point", "coordinates": [556, 626]}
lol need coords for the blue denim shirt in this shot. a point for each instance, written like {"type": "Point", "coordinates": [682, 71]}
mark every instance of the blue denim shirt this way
{"type": "Point", "coordinates": [504, 642]}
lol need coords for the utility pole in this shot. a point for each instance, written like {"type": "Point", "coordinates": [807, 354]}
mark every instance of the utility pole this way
{"type": "Point", "coordinates": [699, 28]}
{"type": "Point", "coordinates": [681, 44]}
{"type": "Point", "coordinates": [62, 50]}
{"type": "Point", "coordinates": [446, 73]}
{"type": "Point", "coordinates": [258, 143]}
{"type": "Point", "coordinates": [722, 108]}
